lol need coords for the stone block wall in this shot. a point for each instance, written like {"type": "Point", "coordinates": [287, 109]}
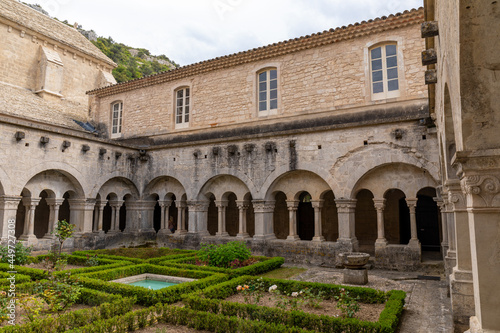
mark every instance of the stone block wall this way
{"type": "Point", "coordinates": [330, 78]}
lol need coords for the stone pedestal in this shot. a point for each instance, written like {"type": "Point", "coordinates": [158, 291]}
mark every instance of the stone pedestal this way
{"type": "Point", "coordinates": [356, 276]}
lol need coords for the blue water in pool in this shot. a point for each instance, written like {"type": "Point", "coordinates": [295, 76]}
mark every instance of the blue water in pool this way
{"type": "Point", "coordinates": [153, 284]}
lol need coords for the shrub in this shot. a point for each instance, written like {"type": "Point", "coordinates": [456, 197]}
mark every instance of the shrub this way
{"type": "Point", "coordinates": [224, 254]}
{"type": "Point", "coordinates": [17, 255]}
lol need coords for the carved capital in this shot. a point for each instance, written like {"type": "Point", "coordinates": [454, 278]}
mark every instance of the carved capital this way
{"type": "Point", "coordinates": [379, 204]}
{"type": "Point", "coordinates": [221, 203]}
{"type": "Point", "coordinates": [261, 206]}
{"type": "Point", "coordinates": [486, 187]}
{"type": "Point", "coordinates": [9, 202]}
{"type": "Point", "coordinates": [292, 204]}
{"type": "Point", "coordinates": [242, 204]}
{"type": "Point", "coordinates": [345, 205]}
{"type": "Point", "coordinates": [317, 203]}
{"type": "Point", "coordinates": [198, 206]}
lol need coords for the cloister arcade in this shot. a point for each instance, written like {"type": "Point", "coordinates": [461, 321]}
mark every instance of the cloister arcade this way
{"type": "Point", "coordinates": [393, 204]}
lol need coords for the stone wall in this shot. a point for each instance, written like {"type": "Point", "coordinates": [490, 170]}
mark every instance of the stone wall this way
{"type": "Point", "coordinates": [330, 78]}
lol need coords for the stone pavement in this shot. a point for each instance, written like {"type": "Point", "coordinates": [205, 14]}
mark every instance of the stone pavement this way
{"type": "Point", "coordinates": [427, 309]}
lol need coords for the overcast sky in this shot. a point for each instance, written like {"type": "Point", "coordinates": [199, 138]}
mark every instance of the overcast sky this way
{"type": "Point", "coordinates": [188, 31]}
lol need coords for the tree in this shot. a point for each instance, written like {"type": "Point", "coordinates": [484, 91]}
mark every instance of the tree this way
{"type": "Point", "coordinates": [63, 231]}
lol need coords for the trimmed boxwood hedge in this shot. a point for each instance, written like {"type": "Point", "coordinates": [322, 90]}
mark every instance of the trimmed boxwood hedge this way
{"type": "Point", "coordinates": [34, 273]}
{"type": "Point", "coordinates": [212, 298]}
{"type": "Point", "coordinates": [174, 315]}
{"type": "Point", "coordinates": [98, 280]}
{"type": "Point", "coordinates": [109, 256]}
{"type": "Point", "coordinates": [264, 265]}
{"type": "Point", "coordinates": [20, 278]}
{"type": "Point", "coordinates": [105, 306]}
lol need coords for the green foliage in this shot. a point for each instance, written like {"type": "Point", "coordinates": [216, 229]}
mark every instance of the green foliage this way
{"type": "Point", "coordinates": [92, 261]}
{"type": "Point", "coordinates": [223, 255]}
{"type": "Point", "coordinates": [130, 67]}
{"type": "Point", "coordinates": [16, 255]}
{"type": "Point", "coordinates": [59, 292]}
{"type": "Point", "coordinates": [63, 231]}
{"type": "Point", "coordinates": [347, 304]}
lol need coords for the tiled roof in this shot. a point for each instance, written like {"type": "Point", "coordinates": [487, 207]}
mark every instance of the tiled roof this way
{"type": "Point", "coordinates": [33, 20]}
{"type": "Point", "coordinates": [393, 21]}
{"type": "Point", "coordinates": [20, 102]}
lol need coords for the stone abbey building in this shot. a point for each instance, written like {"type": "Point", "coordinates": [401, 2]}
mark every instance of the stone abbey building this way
{"type": "Point", "coordinates": [306, 148]}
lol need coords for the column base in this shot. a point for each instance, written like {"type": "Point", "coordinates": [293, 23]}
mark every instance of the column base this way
{"type": "Point", "coordinates": [243, 235]}
{"type": "Point", "coordinates": [49, 236]}
{"type": "Point", "coordinates": [99, 232]}
{"type": "Point", "coordinates": [381, 243]}
{"type": "Point", "coordinates": [264, 237]}
{"type": "Point", "coordinates": [414, 243]}
{"type": "Point", "coordinates": [222, 234]}
{"type": "Point", "coordinates": [462, 298]}
{"type": "Point", "coordinates": [28, 238]}
{"type": "Point", "coordinates": [318, 239]}
{"type": "Point", "coordinates": [293, 238]}
{"type": "Point", "coordinates": [164, 232]}
{"type": "Point", "coordinates": [181, 232]}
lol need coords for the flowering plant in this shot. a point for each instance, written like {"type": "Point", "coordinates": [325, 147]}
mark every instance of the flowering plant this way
{"type": "Point", "coordinates": [347, 304]}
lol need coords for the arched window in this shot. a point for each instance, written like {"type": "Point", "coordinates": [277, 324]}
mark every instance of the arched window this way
{"type": "Point", "coordinates": [182, 106]}
{"type": "Point", "coordinates": [384, 71]}
{"type": "Point", "coordinates": [267, 91]}
{"type": "Point", "coordinates": [116, 119]}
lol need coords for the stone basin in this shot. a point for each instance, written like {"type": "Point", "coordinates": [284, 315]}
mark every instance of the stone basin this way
{"type": "Point", "coordinates": [355, 260]}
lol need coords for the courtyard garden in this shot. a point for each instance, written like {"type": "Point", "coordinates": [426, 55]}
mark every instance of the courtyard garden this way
{"type": "Point", "coordinates": [220, 288]}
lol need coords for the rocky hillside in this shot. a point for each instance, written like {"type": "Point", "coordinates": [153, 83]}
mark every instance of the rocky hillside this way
{"type": "Point", "coordinates": [133, 63]}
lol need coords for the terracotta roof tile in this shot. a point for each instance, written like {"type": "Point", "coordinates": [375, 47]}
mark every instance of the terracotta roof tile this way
{"type": "Point", "coordinates": [377, 25]}
{"type": "Point", "coordinates": [25, 16]}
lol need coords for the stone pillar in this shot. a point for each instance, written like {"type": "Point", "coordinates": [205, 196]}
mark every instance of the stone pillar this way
{"type": "Point", "coordinates": [29, 219]}
{"type": "Point", "coordinates": [141, 215]}
{"type": "Point", "coordinates": [115, 216]}
{"type": "Point", "coordinates": [318, 232]}
{"type": "Point", "coordinates": [181, 217]}
{"type": "Point", "coordinates": [198, 215]}
{"type": "Point", "coordinates": [444, 225]}
{"type": "Point", "coordinates": [81, 211]}
{"type": "Point", "coordinates": [221, 207]}
{"type": "Point", "coordinates": [100, 214]}
{"type": "Point", "coordinates": [264, 225]}
{"type": "Point", "coordinates": [381, 241]}
{"type": "Point", "coordinates": [292, 205]}
{"type": "Point", "coordinates": [412, 204]}
{"type": "Point", "coordinates": [242, 208]}
{"type": "Point", "coordinates": [346, 216]}
{"type": "Point", "coordinates": [54, 205]}
{"type": "Point", "coordinates": [482, 189]}
{"type": "Point", "coordinates": [8, 211]}
{"type": "Point", "coordinates": [461, 287]}
{"type": "Point", "coordinates": [165, 215]}
{"type": "Point", "coordinates": [451, 254]}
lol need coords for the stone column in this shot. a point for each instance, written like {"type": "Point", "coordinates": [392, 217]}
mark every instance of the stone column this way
{"type": "Point", "coordinates": [181, 217]}
{"type": "Point", "coordinates": [412, 205]}
{"type": "Point", "coordinates": [346, 216]}
{"type": "Point", "coordinates": [141, 215]}
{"type": "Point", "coordinates": [54, 205]}
{"type": "Point", "coordinates": [318, 233]}
{"type": "Point", "coordinates": [380, 206]}
{"type": "Point", "coordinates": [81, 211]}
{"type": "Point", "coordinates": [165, 215]}
{"type": "Point", "coordinates": [264, 225]}
{"type": "Point", "coordinates": [8, 212]}
{"type": "Point", "coordinates": [29, 219]}
{"type": "Point", "coordinates": [115, 216]}
{"type": "Point", "coordinates": [221, 207]}
{"type": "Point", "coordinates": [198, 215]}
{"type": "Point", "coordinates": [242, 208]}
{"type": "Point", "coordinates": [292, 206]}
{"type": "Point", "coordinates": [100, 214]}
{"type": "Point", "coordinates": [444, 225]}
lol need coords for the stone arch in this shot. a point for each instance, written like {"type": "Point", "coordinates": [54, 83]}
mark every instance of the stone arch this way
{"type": "Point", "coordinates": [220, 186]}
{"type": "Point", "coordinates": [244, 179]}
{"type": "Point", "coordinates": [97, 186]}
{"type": "Point", "coordinates": [119, 186]}
{"type": "Point", "coordinates": [293, 183]}
{"type": "Point", "coordinates": [321, 172]}
{"type": "Point", "coordinates": [358, 162]}
{"type": "Point", "coordinates": [55, 181]}
{"type": "Point", "coordinates": [164, 187]}
{"type": "Point", "coordinates": [69, 171]}
{"type": "Point", "coordinates": [406, 177]}
{"type": "Point", "coordinates": [5, 182]}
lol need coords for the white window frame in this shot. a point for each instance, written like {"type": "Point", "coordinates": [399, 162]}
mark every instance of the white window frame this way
{"type": "Point", "coordinates": [185, 107]}
{"type": "Point", "coordinates": [269, 109]}
{"type": "Point", "coordinates": [385, 94]}
{"type": "Point", "coordinates": [116, 119]}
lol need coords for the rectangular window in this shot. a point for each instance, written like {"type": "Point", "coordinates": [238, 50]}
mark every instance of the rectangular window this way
{"type": "Point", "coordinates": [267, 91]}
{"type": "Point", "coordinates": [182, 98]}
{"type": "Point", "coordinates": [384, 72]}
{"type": "Point", "coordinates": [116, 119]}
